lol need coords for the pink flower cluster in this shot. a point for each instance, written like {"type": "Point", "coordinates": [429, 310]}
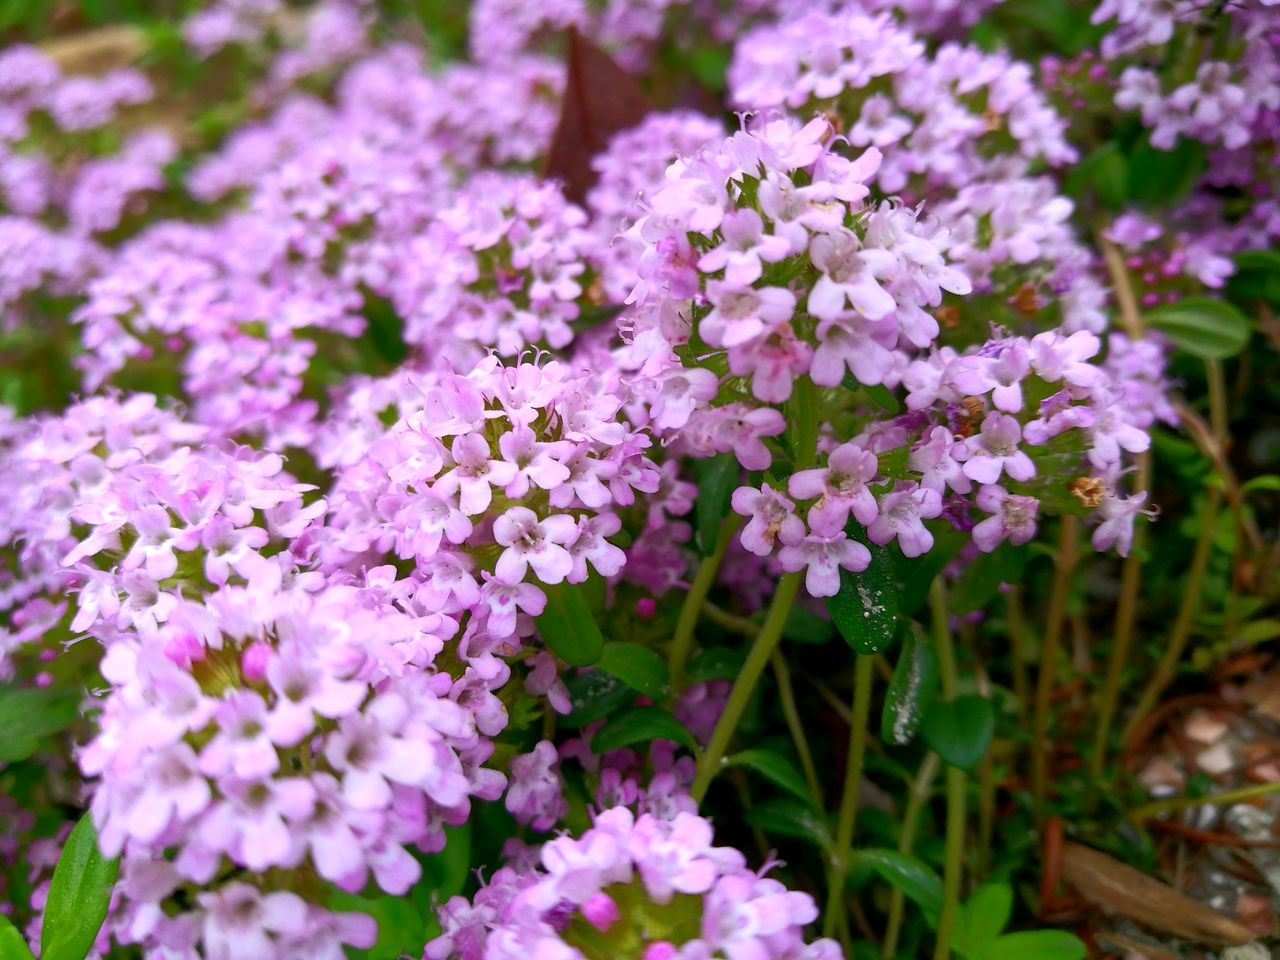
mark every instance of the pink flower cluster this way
{"type": "Point", "coordinates": [632, 886]}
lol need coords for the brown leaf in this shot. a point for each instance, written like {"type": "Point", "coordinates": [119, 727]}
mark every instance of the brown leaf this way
{"type": "Point", "coordinates": [600, 98]}
{"type": "Point", "coordinates": [1117, 888]}
{"type": "Point", "coordinates": [96, 51]}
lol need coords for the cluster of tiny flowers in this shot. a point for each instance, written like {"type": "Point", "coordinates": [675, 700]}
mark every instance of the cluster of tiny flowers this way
{"type": "Point", "coordinates": [53, 209]}
{"type": "Point", "coordinates": [501, 267]}
{"type": "Point", "coordinates": [641, 887]}
{"type": "Point", "coordinates": [499, 480]}
{"type": "Point", "coordinates": [766, 262]}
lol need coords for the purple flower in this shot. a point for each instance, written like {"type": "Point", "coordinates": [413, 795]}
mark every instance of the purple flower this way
{"type": "Point", "coordinates": [995, 449]}
{"type": "Point", "coordinates": [531, 542]}
{"type": "Point", "coordinates": [534, 793]}
{"type": "Point", "coordinates": [902, 515]}
{"type": "Point", "coordinates": [849, 274]}
{"type": "Point", "coordinates": [771, 516]}
{"type": "Point", "coordinates": [1014, 518]}
{"type": "Point", "coordinates": [745, 245]}
{"type": "Point", "coordinates": [741, 313]}
{"type": "Point", "coordinates": [824, 556]}
{"type": "Point", "coordinates": [841, 487]}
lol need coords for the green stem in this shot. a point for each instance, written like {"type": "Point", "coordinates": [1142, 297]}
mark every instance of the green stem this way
{"type": "Point", "coordinates": [682, 642]}
{"type": "Point", "coordinates": [954, 861]}
{"type": "Point", "coordinates": [1181, 632]}
{"type": "Point", "coordinates": [1172, 804]}
{"type": "Point", "coordinates": [864, 671]}
{"type": "Point", "coordinates": [1064, 562]}
{"type": "Point", "coordinates": [1018, 650]}
{"type": "Point", "coordinates": [1126, 616]}
{"type": "Point", "coordinates": [758, 657]}
{"type": "Point", "coordinates": [787, 699]}
{"type": "Point", "coordinates": [916, 799]}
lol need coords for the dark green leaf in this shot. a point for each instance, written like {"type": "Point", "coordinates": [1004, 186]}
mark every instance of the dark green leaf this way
{"type": "Point", "coordinates": [918, 573]}
{"type": "Point", "coordinates": [1210, 329]}
{"type": "Point", "coordinates": [865, 611]}
{"type": "Point", "coordinates": [593, 695]}
{"type": "Point", "coordinates": [1257, 276]}
{"type": "Point", "coordinates": [916, 879]}
{"type": "Point", "coordinates": [716, 480]}
{"type": "Point", "coordinates": [640, 725]}
{"type": "Point", "coordinates": [790, 818]}
{"type": "Point", "coordinates": [638, 666]}
{"type": "Point", "coordinates": [1037, 945]}
{"type": "Point", "coordinates": [13, 946]}
{"type": "Point", "coordinates": [27, 716]}
{"type": "Point", "coordinates": [1105, 171]}
{"type": "Point", "coordinates": [981, 919]}
{"type": "Point", "coordinates": [401, 923]}
{"type": "Point", "coordinates": [78, 896]}
{"type": "Point", "coordinates": [805, 626]}
{"type": "Point", "coordinates": [773, 767]}
{"type": "Point", "coordinates": [1162, 178]}
{"type": "Point", "coordinates": [960, 730]}
{"type": "Point", "coordinates": [883, 398]}
{"type": "Point", "coordinates": [982, 578]}
{"type": "Point", "coordinates": [715, 663]}
{"type": "Point", "coordinates": [914, 681]}
{"type": "Point", "coordinates": [568, 626]}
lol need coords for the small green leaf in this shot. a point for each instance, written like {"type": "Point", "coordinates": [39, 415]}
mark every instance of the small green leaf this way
{"type": "Point", "coordinates": [982, 578]}
{"type": "Point", "coordinates": [13, 946]}
{"type": "Point", "coordinates": [715, 663]}
{"type": "Point", "coordinates": [1104, 171]}
{"type": "Point", "coordinates": [790, 818]}
{"type": "Point", "coordinates": [981, 919]}
{"type": "Point", "coordinates": [1037, 945]}
{"type": "Point", "coordinates": [915, 679]}
{"type": "Point", "coordinates": [916, 879]}
{"type": "Point", "coordinates": [568, 626]}
{"type": "Point", "coordinates": [401, 923]}
{"type": "Point", "coordinates": [805, 626]}
{"type": "Point", "coordinates": [28, 715]}
{"type": "Point", "coordinates": [1257, 276]}
{"type": "Point", "coordinates": [79, 895]}
{"type": "Point", "coordinates": [1163, 178]}
{"type": "Point", "coordinates": [1209, 329]}
{"type": "Point", "coordinates": [594, 695]}
{"type": "Point", "coordinates": [773, 767]}
{"type": "Point", "coordinates": [883, 398]}
{"type": "Point", "coordinates": [865, 611]}
{"type": "Point", "coordinates": [716, 479]}
{"type": "Point", "coordinates": [960, 730]}
{"type": "Point", "coordinates": [918, 573]}
{"type": "Point", "coordinates": [640, 725]}
{"type": "Point", "coordinates": [638, 666]}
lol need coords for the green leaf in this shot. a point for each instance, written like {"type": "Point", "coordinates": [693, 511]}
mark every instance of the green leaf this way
{"type": "Point", "coordinates": [883, 398]}
{"type": "Point", "coordinates": [1162, 178]}
{"type": "Point", "coordinates": [805, 626]}
{"type": "Point", "coordinates": [13, 946]}
{"type": "Point", "coordinates": [915, 678]}
{"type": "Point", "coordinates": [1105, 171]}
{"type": "Point", "coordinates": [593, 695]}
{"type": "Point", "coordinates": [715, 663]}
{"type": "Point", "coordinates": [775, 768]}
{"type": "Point", "coordinates": [981, 918]}
{"type": "Point", "coordinates": [1037, 945]}
{"type": "Point", "coordinates": [79, 895]}
{"type": "Point", "coordinates": [918, 882]}
{"type": "Point", "coordinates": [401, 923]}
{"type": "Point", "coordinates": [640, 725]}
{"type": "Point", "coordinates": [790, 818]}
{"type": "Point", "coordinates": [1257, 276]}
{"type": "Point", "coordinates": [865, 611]}
{"type": "Point", "coordinates": [638, 666]}
{"type": "Point", "coordinates": [918, 573]}
{"type": "Point", "coordinates": [960, 730]}
{"type": "Point", "coordinates": [29, 715]}
{"type": "Point", "coordinates": [1209, 329]}
{"type": "Point", "coordinates": [802, 422]}
{"type": "Point", "coordinates": [982, 578]}
{"type": "Point", "coordinates": [568, 626]}
{"type": "Point", "coordinates": [716, 480]}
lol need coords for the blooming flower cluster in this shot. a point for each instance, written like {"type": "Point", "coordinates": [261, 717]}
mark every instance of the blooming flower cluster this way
{"type": "Point", "coordinates": [632, 887]}
{"type": "Point", "coordinates": [378, 410]}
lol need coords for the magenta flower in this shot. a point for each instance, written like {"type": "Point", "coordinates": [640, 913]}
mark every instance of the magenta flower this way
{"type": "Point", "coordinates": [590, 546]}
{"type": "Point", "coordinates": [534, 792]}
{"type": "Point", "coordinates": [1013, 519]}
{"type": "Point", "coordinates": [535, 543]}
{"type": "Point", "coordinates": [745, 245]}
{"type": "Point", "coordinates": [902, 515]}
{"type": "Point", "coordinates": [849, 278]}
{"type": "Point", "coordinates": [841, 487]}
{"type": "Point", "coordinates": [1118, 515]}
{"type": "Point", "coordinates": [772, 516]}
{"type": "Point", "coordinates": [475, 475]}
{"type": "Point", "coordinates": [742, 313]}
{"type": "Point", "coordinates": [994, 449]}
{"type": "Point", "coordinates": [824, 556]}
